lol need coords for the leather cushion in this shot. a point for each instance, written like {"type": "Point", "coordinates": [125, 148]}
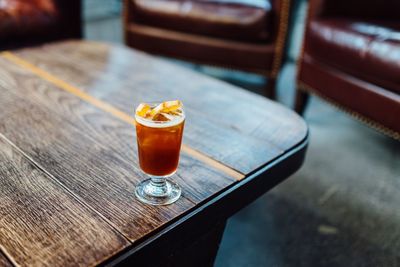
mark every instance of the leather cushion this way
{"type": "Point", "coordinates": [367, 99]}
{"type": "Point", "coordinates": [22, 17]}
{"type": "Point", "coordinates": [245, 56]}
{"type": "Point", "coordinates": [367, 50]}
{"type": "Point", "coordinates": [227, 19]}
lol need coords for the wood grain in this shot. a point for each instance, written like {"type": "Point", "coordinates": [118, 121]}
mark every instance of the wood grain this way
{"type": "Point", "coordinates": [112, 110]}
{"type": "Point", "coordinates": [4, 262]}
{"type": "Point", "coordinates": [42, 224]}
{"type": "Point", "coordinates": [197, 137]}
{"type": "Point", "coordinates": [124, 77]}
{"type": "Point", "coordinates": [92, 153]}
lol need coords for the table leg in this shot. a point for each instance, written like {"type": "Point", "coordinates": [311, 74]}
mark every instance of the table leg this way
{"type": "Point", "coordinates": [202, 251]}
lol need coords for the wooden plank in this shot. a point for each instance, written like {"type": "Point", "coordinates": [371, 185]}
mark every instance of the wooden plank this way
{"type": "Point", "coordinates": [123, 78]}
{"type": "Point", "coordinates": [42, 224]}
{"type": "Point", "coordinates": [105, 129]}
{"type": "Point", "coordinates": [216, 146]}
{"type": "Point", "coordinates": [4, 262]}
{"type": "Point", "coordinates": [112, 110]}
{"type": "Point", "coordinates": [92, 153]}
{"type": "Point", "coordinates": [268, 120]}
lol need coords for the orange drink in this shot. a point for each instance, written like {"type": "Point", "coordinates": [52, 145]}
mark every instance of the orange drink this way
{"type": "Point", "coordinates": [159, 131]}
{"type": "Point", "coordinates": [159, 144]}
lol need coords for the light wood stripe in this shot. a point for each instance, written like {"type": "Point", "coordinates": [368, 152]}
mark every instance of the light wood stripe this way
{"type": "Point", "coordinates": [212, 162]}
{"type": "Point", "coordinates": [7, 256]}
{"type": "Point", "coordinates": [67, 87]}
{"type": "Point", "coordinates": [111, 110]}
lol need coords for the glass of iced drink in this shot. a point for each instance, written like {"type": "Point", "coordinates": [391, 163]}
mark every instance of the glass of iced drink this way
{"type": "Point", "coordinates": [159, 130]}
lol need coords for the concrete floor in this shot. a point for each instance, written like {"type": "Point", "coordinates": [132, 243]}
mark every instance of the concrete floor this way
{"type": "Point", "coordinates": [340, 209]}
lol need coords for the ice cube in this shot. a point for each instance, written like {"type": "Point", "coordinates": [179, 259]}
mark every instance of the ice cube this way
{"type": "Point", "coordinates": [161, 117]}
{"type": "Point", "coordinates": [166, 107]}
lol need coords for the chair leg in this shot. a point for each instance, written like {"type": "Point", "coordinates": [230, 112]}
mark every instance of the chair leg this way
{"type": "Point", "coordinates": [270, 88]}
{"type": "Point", "coordinates": [301, 101]}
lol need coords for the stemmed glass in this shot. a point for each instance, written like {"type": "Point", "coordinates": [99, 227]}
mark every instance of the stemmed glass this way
{"type": "Point", "coordinates": [159, 139]}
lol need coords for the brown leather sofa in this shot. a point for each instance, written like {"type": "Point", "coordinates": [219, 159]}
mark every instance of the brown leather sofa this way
{"type": "Point", "coordinates": [351, 58]}
{"type": "Point", "coordinates": [28, 22]}
{"type": "Point", "coordinates": [237, 34]}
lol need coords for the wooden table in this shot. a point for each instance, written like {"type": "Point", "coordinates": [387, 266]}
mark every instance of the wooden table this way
{"type": "Point", "coordinates": [68, 159]}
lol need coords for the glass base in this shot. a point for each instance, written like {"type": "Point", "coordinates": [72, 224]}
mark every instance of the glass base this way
{"type": "Point", "coordinates": [158, 193]}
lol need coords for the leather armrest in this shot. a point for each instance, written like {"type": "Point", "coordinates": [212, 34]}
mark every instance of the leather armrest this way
{"type": "Point", "coordinates": [23, 17]}
{"type": "Point", "coordinates": [27, 22]}
{"type": "Point", "coordinates": [70, 18]}
{"type": "Point", "coordinates": [364, 9]}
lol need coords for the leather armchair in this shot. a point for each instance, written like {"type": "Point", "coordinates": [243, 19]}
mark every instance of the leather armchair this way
{"type": "Point", "coordinates": [236, 34]}
{"type": "Point", "coordinates": [28, 22]}
{"type": "Point", "coordinates": [351, 58]}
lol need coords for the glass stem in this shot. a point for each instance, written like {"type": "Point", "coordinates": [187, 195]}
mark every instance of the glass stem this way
{"type": "Point", "coordinates": [158, 186]}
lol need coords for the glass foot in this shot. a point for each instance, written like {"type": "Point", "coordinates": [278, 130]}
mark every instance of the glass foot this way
{"type": "Point", "coordinates": [153, 193]}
